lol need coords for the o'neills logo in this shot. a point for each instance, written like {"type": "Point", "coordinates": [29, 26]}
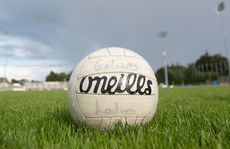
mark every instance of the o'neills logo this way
{"type": "Point", "coordinates": [130, 83]}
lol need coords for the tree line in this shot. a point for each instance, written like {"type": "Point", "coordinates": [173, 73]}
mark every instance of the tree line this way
{"type": "Point", "coordinates": [58, 76]}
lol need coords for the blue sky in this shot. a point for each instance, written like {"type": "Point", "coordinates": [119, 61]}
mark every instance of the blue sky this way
{"type": "Point", "coordinates": [56, 34]}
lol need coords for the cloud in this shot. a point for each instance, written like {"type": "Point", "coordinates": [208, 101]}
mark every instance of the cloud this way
{"type": "Point", "coordinates": [29, 59]}
{"type": "Point", "coordinates": [19, 48]}
{"type": "Point", "coordinates": [33, 69]}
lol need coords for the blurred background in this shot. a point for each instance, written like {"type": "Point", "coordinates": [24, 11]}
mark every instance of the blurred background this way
{"type": "Point", "coordinates": [185, 42]}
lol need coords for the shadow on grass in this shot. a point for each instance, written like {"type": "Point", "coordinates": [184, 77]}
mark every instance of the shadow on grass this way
{"type": "Point", "coordinates": [221, 98]}
{"type": "Point", "coordinates": [1, 138]}
{"type": "Point", "coordinates": [62, 115]}
{"type": "Point", "coordinates": [218, 98]}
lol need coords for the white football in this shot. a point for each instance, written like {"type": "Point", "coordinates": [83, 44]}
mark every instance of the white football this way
{"type": "Point", "coordinates": [110, 85]}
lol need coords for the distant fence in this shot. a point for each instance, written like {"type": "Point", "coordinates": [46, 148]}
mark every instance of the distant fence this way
{"type": "Point", "coordinates": [219, 68]}
{"type": "Point", "coordinates": [34, 86]}
{"type": "Point", "coordinates": [207, 73]}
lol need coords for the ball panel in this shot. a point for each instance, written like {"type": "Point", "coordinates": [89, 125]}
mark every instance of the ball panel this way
{"type": "Point", "coordinates": [99, 53]}
{"type": "Point", "coordinates": [129, 53]}
{"type": "Point", "coordinates": [115, 64]}
{"type": "Point", "coordinates": [72, 102]}
{"type": "Point", "coordinates": [115, 83]}
{"type": "Point", "coordinates": [98, 123]}
{"type": "Point", "coordinates": [115, 106]}
{"type": "Point", "coordinates": [114, 51]}
{"type": "Point", "coordinates": [109, 123]}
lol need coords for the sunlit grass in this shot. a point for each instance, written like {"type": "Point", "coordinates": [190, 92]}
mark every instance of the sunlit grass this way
{"type": "Point", "coordinates": [196, 117]}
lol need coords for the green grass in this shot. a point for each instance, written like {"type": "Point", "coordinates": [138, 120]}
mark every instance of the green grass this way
{"type": "Point", "coordinates": [196, 117]}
